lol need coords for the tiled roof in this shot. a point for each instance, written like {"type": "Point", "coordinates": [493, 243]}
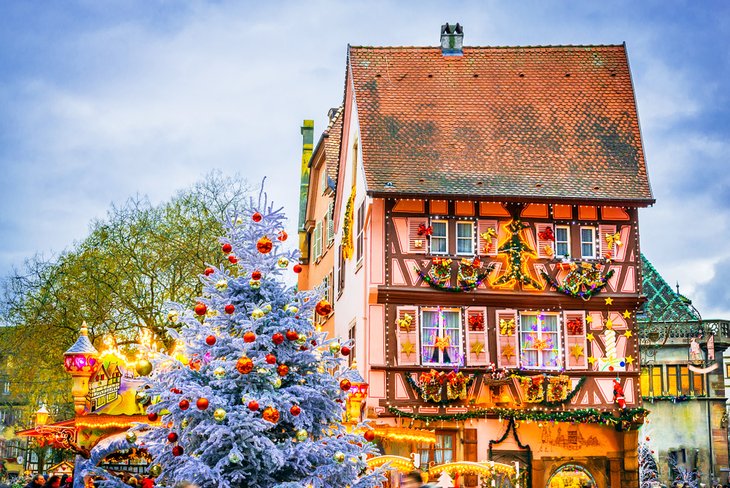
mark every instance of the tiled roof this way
{"type": "Point", "coordinates": [537, 122]}
{"type": "Point", "coordinates": [333, 136]}
{"type": "Point", "coordinates": [663, 303]}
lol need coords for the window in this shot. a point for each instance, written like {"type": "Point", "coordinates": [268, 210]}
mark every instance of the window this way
{"type": "Point", "coordinates": [698, 384]}
{"type": "Point", "coordinates": [351, 334]}
{"type": "Point", "coordinates": [562, 241]}
{"type": "Point", "coordinates": [539, 341]}
{"type": "Point", "coordinates": [439, 238]}
{"type": "Point", "coordinates": [684, 379]}
{"type": "Point", "coordinates": [672, 381]}
{"type": "Point", "coordinates": [359, 240]}
{"type": "Point", "coordinates": [323, 178]}
{"type": "Point", "coordinates": [441, 336]}
{"type": "Point", "coordinates": [656, 380]}
{"type": "Point", "coordinates": [439, 453]}
{"type": "Point", "coordinates": [317, 241]}
{"type": "Point", "coordinates": [587, 242]}
{"type": "Point", "coordinates": [727, 371]}
{"type": "Point", "coordinates": [465, 238]}
{"type": "Point", "coordinates": [340, 272]}
{"type": "Point", "coordinates": [331, 224]}
{"type": "Point", "coordinates": [644, 382]}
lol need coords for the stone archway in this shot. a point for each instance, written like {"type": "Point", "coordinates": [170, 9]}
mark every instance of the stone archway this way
{"type": "Point", "coordinates": [571, 476]}
{"type": "Point", "coordinates": [595, 470]}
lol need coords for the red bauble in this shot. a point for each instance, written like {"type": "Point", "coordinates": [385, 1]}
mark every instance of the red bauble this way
{"type": "Point", "coordinates": [297, 268]}
{"type": "Point", "coordinates": [264, 245]}
{"type": "Point", "coordinates": [208, 271]}
{"type": "Point", "coordinates": [256, 275]}
{"type": "Point", "coordinates": [271, 359]}
{"type": "Point", "coordinates": [233, 259]}
{"type": "Point", "coordinates": [227, 247]}
{"type": "Point", "coordinates": [323, 308]}
{"type": "Point", "coordinates": [244, 365]}
{"type": "Point", "coordinates": [172, 437]}
{"type": "Point", "coordinates": [302, 348]}
{"type": "Point", "coordinates": [295, 410]}
{"type": "Point", "coordinates": [345, 385]}
{"type": "Point", "coordinates": [253, 405]}
{"type": "Point", "coordinates": [184, 404]}
{"type": "Point", "coordinates": [257, 217]}
{"type": "Point", "coordinates": [202, 403]}
{"type": "Point", "coordinates": [152, 417]}
{"type": "Point", "coordinates": [176, 390]}
{"type": "Point", "coordinates": [177, 451]}
{"type": "Point", "coordinates": [201, 308]}
{"type": "Point", "coordinates": [292, 335]}
{"type": "Point", "coordinates": [282, 235]}
{"type": "Point", "coordinates": [278, 338]}
{"type": "Point", "coordinates": [283, 370]}
{"type": "Point", "coordinates": [249, 337]}
{"type": "Point", "coordinates": [230, 308]}
{"type": "Point", "coordinates": [210, 340]}
{"type": "Point", "coordinates": [345, 351]}
{"type": "Point", "coordinates": [369, 435]}
{"type": "Point", "coordinates": [271, 415]}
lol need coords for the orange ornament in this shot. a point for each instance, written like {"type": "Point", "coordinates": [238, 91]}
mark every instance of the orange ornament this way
{"type": "Point", "coordinates": [323, 308]}
{"type": "Point", "coordinates": [282, 235]}
{"type": "Point", "coordinates": [283, 370]}
{"type": "Point", "coordinates": [244, 365]}
{"type": "Point", "coordinates": [264, 245]}
{"type": "Point", "coordinates": [345, 385]}
{"type": "Point", "coordinates": [271, 415]}
{"type": "Point", "coordinates": [369, 435]}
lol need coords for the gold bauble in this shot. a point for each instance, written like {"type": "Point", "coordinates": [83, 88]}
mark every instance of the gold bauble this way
{"type": "Point", "coordinates": [221, 284]}
{"type": "Point", "coordinates": [219, 414]}
{"type": "Point", "coordinates": [143, 367]}
{"type": "Point", "coordinates": [131, 437]}
{"type": "Point", "coordinates": [302, 435]}
{"type": "Point", "coordinates": [155, 470]}
{"type": "Point", "coordinates": [339, 456]}
{"type": "Point", "coordinates": [219, 372]}
{"type": "Point", "coordinates": [283, 262]}
{"type": "Point", "coordinates": [276, 382]}
{"type": "Point", "coordinates": [335, 347]}
{"type": "Point", "coordinates": [173, 316]}
{"type": "Point", "coordinates": [257, 314]}
{"type": "Point", "coordinates": [266, 308]}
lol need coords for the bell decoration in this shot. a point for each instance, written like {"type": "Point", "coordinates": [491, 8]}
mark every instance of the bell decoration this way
{"type": "Point", "coordinates": [264, 245]}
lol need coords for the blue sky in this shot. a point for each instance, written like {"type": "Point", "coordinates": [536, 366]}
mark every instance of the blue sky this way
{"type": "Point", "coordinates": [102, 100]}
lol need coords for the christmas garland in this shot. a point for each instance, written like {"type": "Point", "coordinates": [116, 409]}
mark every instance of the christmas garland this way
{"type": "Point", "coordinates": [625, 420]}
{"type": "Point", "coordinates": [578, 289]}
{"type": "Point", "coordinates": [671, 398]}
{"type": "Point", "coordinates": [348, 245]}
{"type": "Point", "coordinates": [452, 381]}
{"type": "Point", "coordinates": [544, 399]}
{"type": "Point", "coordinates": [463, 285]}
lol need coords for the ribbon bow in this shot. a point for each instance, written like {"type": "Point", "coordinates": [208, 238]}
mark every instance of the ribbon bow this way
{"type": "Point", "coordinates": [424, 231]}
{"type": "Point", "coordinates": [507, 327]}
{"type": "Point", "coordinates": [405, 322]}
{"type": "Point", "coordinates": [546, 235]}
{"type": "Point", "coordinates": [489, 234]}
{"type": "Point", "coordinates": [442, 343]}
{"type": "Point", "coordinates": [613, 239]}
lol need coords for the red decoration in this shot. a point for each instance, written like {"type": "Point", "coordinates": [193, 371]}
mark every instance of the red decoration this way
{"type": "Point", "coordinates": [184, 404]}
{"type": "Point", "coordinates": [271, 359]}
{"type": "Point", "coordinates": [210, 340]}
{"type": "Point", "coordinates": [194, 364]}
{"type": "Point", "coordinates": [369, 435]}
{"type": "Point", "coordinates": [172, 437]}
{"type": "Point", "coordinates": [323, 308]}
{"type": "Point", "coordinates": [233, 259]}
{"type": "Point", "coordinates": [345, 385]}
{"type": "Point", "coordinates": [227, 248]}
{"type": "Point", "coordinates": [424, 231]}
{"type": "Point", "coordinates": [575, 326]}
{"type": "Point", "coordinates": [202, 403]}
{"type": "Point", "coordinates": [201, 308]}
{"type": "Point", "coordinates": [282, 236]}
{"type": "Point", "coordinates": [292, 335]}
{"type": "Point", "coordinates": [297, 268]}
{"type": "Point", "coordinates": [618, 394]}
{"type": "Point", "coordinates": [253, 405]}
{"type": "Point", "coordinates": [264, 245]}
{"type": "Point", "coordinates": [476, 322]}
{"type": "Point", "coordinates": [249, 337]}
{"type": "Point", "coordinates": [283, 370]}
{"type": "Point", "coordinates": [208, 271]}
{"type": "Point", "coordinates": [345, 351]}
{"type": "Point", "coordinates": [230, 308]}
{"type": "Point", "coordinates": [257, 217]}
{"type": "Point", "coordinates": [278, 338]}
{"type": "Point", "coordinates": [244, 365]}
{"type": "Point", "coordinates": [295, 410]}
{"type": "Point", "coordinates": [546, 235]}
{"type": "Point", "coordinates": [271, 415]}
{"type": "Point", "coordinates": [177, 451]}
{"type": "Point", "coordinates": [176, 390]}
{"type": "Point", "coordinates": [256, 275]}
{"type": "Point", "coordinates": [152, 417]}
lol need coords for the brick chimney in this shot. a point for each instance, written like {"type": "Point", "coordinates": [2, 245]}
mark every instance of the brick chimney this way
{"type": "Point", "coordinates": [452, 40]}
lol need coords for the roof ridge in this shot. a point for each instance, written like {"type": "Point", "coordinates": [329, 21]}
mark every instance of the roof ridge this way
{"type": "Point", "coordinates": [530, 46]}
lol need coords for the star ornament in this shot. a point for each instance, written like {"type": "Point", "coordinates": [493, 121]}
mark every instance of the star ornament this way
{"type": "Point", "coordinates": [609, 301]}
{"type": "Point", "coordinates": [629, 360]}
{"type": "Point", "coordinates": [407, 348]}
{"type": "Point", "coordinates": [591, 359]}
{"type": "Point", "coordinates": [508, 352]}
{"type": "Point", "coordinates": [476, 347]}
{"type": "Point", "coordinates": [442, 343]}
{"type": "Point", "coordinates": [589, 319]}
{"type": "Point", "coordinates": [628, 333]}
{"type": "Point", "coordinates": [609, 324]}
{"type": "Point", "coordinates": [576, 351]}
{"type": "Point", "coordinates": [627, 314]}
{"type": "Point", "coordinates": [590, 337]}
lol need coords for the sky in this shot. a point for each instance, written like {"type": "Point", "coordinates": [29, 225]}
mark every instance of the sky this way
{"type": "Point", "coordinates": [100, 101]}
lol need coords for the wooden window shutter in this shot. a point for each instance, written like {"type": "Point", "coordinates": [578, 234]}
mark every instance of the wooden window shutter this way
{"type": "Point", "coordinates": [407, 332]}
{"type": "Point", "coordinates": [318, 239]}
{"type": "Point", "coordinates": [487, 247]}
{"type": "Point", "coordinates": [576, 349]}
{"type": "Point", "coordinates": [331, 223]}
{"type": "Point", "coordinates": [477, 347]}
{"type": "Point", "coordinates": [507, 329]}
{"type": "Point", "coordinates": [416, 244]}
{"type": "Point", "coordinates": [471, 454]}
{"type": "Point", "coordinates": [603, 231]}
{"type": "Point", "coordinates": [545, 246]}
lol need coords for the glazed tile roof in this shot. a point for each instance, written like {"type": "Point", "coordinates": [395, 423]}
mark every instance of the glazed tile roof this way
{"type": "Point", "coordinates": [555, 122]}
{"type": "Point", "coordinates": [332, 137]}
{"type": "Point", "coordinates": [663, 303]}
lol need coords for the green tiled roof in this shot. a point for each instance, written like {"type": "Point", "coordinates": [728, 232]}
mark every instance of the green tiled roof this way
{"type": "Point", "coordinates": [663, 303]}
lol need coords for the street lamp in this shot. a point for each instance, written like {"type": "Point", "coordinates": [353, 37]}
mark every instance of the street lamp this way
{"type": "Point", "coordinates": [41, 416]}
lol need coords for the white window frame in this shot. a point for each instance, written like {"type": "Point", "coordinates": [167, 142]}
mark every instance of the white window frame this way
{"type": "Point", "coordinates": [460, 348]}
{"type": "Point", "coordinates": [331, 224]}
{"type": "Point", "coordinates": [360, 234]}
{"type": "Point", "coordinates": [593, 241]}
{"type": "Point", "coordinates": [471, 237]}
{"type": "Point", "coordinates": [323, 178]}
{"type": "Point", "coordinates": [445, 237]}
{"type": "Point", "coordinates": [539, 332]}
{"type": "Point", "coordinates": [318, 240]}
{"type": "Point", "coordinates": [567, 243]}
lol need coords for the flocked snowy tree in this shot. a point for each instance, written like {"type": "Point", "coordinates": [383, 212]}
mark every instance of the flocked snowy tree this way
{"type": "Point", "coordinates": [254, 396]}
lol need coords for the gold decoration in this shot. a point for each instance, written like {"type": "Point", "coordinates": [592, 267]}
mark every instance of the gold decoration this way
{"type": "Point", "coordinates": [407, 348]}
{"type": "Point", "coordinates": [591, 359]}
{"type": "Point", "coordinates": [613, 239]}
{"type": "Point", "coordinates": [508, 351]}
{"type": "Point", "coordinates": [442, 343]}
{"type": "Point", "coordinates": [629, 359]}
{"type": "Point", "coordinates": [627, 314]}
{"type": "Point", "coordinates": [590, 337]}
{"type": "Point", "coordinates": [628, 333]}
{"type": "Point", "coordinates": [589, 319]}
{"type": "Point", "coordinates": [507, 327]}
{"type": "Point", "coordinates": [609, 301]}
{"type": "Point", "coordinates": [476, 347]}
{"type": "Point", "coordinates": [418, 244]}
{"type": "Point", "coordinates": [609, 324]}
{"type": "Point", "coordinates": [405, 322]}
{"type": "Point", "coordinates": [576, 351]}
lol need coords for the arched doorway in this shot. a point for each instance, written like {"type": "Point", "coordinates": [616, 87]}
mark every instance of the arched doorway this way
{"type": "Point", "coordinates": [571, 476]}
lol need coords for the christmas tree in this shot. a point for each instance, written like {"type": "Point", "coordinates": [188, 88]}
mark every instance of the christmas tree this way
{"type": "Point", "coordinates": [254, 396]}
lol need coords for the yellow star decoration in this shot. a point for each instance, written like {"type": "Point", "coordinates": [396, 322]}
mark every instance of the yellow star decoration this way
{"type": "Point", "coordinates": [609, 301]}
{"type": "Point", "coordinates": [508, 351]}
{"type": "Point", "coordinates": [407, 348]}
{"type": "Point", "coordinates": [591, 359]}
{"type": "Point", "coordinates": [627, 314]}
{"type": "Point", "coordinates": [628, 333]}
{"type": "Point", "coordinates": [629, 360]}
{"type": "Point", "coordinates": [477, 347]}
{"type": "Point", "coordinates": [590, 337]}
{"type": "Point", "coordinates": [576, 351]}
{"type": "Point", "coordinates": [442, 343]}
{"type": "Point", "coordinates": [609, 324]}
{"type": "Point", "coordinates": [589, 319]}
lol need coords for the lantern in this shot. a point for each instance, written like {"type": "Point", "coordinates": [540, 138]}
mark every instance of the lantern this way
{"type": "Point", "coordinates": [356, 397]}
{"type": "Point", "coordinates": [41, 416]}
{"type": "Point", "coordinates": [80, 361]}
